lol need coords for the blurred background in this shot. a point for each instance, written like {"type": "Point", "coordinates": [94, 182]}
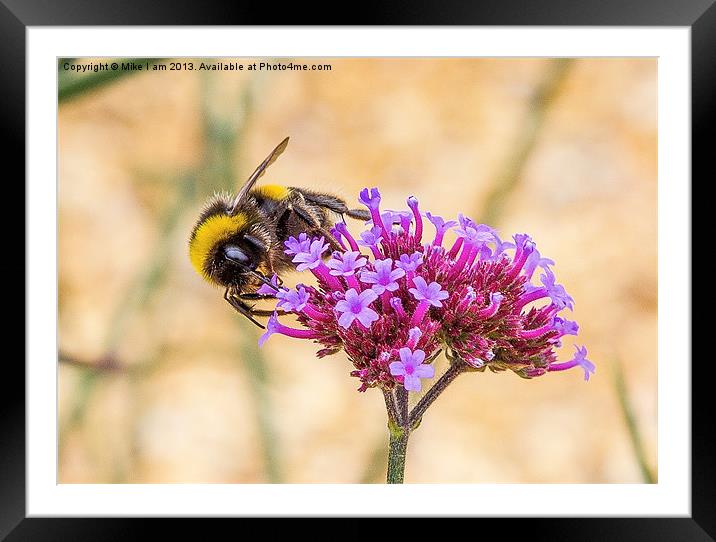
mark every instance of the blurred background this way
{"type": "Point", "coordinates": [160, 381]}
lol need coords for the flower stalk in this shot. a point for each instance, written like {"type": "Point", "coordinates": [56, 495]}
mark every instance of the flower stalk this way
{"type": "Point", "coordinates": [397, 452]}
{"type": "Point", "coordinates": [455, 370]}
{"type": "Point", "coordinates": [396, 404]}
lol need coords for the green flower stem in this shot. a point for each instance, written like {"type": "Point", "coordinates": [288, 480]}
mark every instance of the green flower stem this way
{"type": "Point", "coordinates": [401, 422]}
{"type": "Point", "coordinates": [396, 454]}
{"type": "Point", "coordinates": [631, 422]}
{"type": "Point", "coordinates": [401, 395]}
{"type": "Point", "coordinates": [390, 405]}
{"type": "Point", "coordinates": [456, 368]}
{"type": "Point", "coordinates": [396, 401]}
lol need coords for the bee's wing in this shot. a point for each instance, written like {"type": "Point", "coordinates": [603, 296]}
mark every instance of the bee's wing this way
{"type": "Point", "coordinates": [251, 181]}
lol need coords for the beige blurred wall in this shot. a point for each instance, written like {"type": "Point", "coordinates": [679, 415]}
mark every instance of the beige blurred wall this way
{"type": "Point", "coordinates": [184, 407]}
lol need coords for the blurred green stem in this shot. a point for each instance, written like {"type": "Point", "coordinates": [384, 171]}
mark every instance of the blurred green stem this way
{"type": "Point", "coordinates": [255, 366]}
{"type": "Point", "coordinates": [627, 410]}
{"type": "Point", "coordinates": [509, 175]}
{"type": "Point", "coordinates": [152, 278]}
{"type": "Point", "coordinates": [78, 85]}
{"type": "Point", "coordinates": [82, 393]}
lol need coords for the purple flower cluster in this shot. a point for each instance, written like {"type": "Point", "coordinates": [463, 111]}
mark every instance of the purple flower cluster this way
{"type": "Point", "coordinates": [391, 310]}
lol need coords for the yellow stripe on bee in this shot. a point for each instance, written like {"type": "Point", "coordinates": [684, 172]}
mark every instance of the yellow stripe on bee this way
{"type": "Point", "coordinates": [211, 232]}
{"type": "Point", "coordinates": [272, 191]}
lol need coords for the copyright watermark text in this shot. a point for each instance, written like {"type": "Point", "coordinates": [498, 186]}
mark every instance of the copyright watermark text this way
{"type": "Point", "coordinates": [154, 65]}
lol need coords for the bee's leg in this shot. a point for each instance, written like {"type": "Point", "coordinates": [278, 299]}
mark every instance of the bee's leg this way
{"type": "Point", "coordinates": [263, 278]}
{"type": "Point", "coordinates": [259, 275]}
{"type": "Point", "coordinates": [279, 280]}
{"type": "Point", "coordinates": [252, 296]}
{"type": "Point", "coordinates": [336, 205]}
{"type": "Point", "coordinates": [306, 217]}
{"type": "Point", "coordinates": [359, 214]}
{"type": "Point", "coordinates": [330, 238]}
{"type": "Point", "coordinates": [314, 226]}
{"type": "Point", "coordinates": [241, 307]}
{"type": "Point", "coordinates": [266, 312]}
{"type": "Point", "coordinates": [272, 271]}
{"type": "Point", "coordinates": [335, 245]}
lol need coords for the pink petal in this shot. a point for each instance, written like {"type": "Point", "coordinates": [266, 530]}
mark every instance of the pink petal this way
{"type": "Point", "coordinates": [367, 296]}
{"type": "Point", "coordinates": [346, 319]}
{"type": "Point", "coordinates": [367, 317]}
{"type": "Point", "coordinates": [406, 356]}
{"type": "Point", "coordinates": [396, 368]}
{"type": "Point", "coordinates": [343, 306]}
{"type": "Point", "coordinates": [411, 383]}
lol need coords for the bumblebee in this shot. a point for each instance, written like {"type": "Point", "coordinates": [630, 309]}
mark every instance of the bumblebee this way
{"type": "Point", "coordinates": [238, 242]}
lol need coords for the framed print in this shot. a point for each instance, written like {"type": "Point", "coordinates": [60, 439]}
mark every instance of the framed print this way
{"type": "Point", "coordinates": [270, 269]}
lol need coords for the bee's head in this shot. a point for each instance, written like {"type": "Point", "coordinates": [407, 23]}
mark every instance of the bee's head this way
{"type": "Point", "coordinates": [224, 248]}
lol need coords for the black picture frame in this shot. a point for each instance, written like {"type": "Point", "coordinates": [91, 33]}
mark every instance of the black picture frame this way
{"type": "Point", "coordinates": [699, 15]}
